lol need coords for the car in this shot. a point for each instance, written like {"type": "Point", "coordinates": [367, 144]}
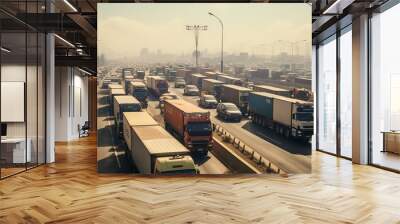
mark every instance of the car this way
{"type": "Point", "coordinates": [229, 111]}
{"type": "Point", "coordinates": [191, 90]}
{"type": "Point", "coordinates": [166, 96]}
{"type": "Point", "coordinates": [180, 83]}
{"type": "Point", "coordinates": [208, 101]}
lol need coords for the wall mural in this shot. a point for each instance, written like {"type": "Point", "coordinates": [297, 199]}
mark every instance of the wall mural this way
{"type": "Point", "coordinates": [192, 89]}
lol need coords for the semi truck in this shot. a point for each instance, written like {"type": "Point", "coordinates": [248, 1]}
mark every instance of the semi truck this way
{"type": "Point", "coordinates": [126, 82]}
{"type": "Point", "coordinates": [105, 83]}
{"type": "Point", "coordinates": [229, 80]}
{"type": "Point", "coordinates": [155, 151]}
{"type": "Point", "coordinates": [210, 75]}
{"type": "Point", "coordinates": [212, 86]}
{"type": "Point", "coordinates": [140, 74]}
{"type": "Point", "coordinates": [157, 85]}
{"type": "Point", "coordinates": [303, 82]}
{"type": "Point", "coordinates": [171, 75]}
{"type": "Point", "coordinates": [124, 103]}
{"type": "Point", "coordinates": [237, 95]}
{"type": "Point", "coordinates": [197, 80]}
{"type": "Point", "coordinates": [190, 124]}
{"type": "Point", "coordinates": [272, 89]}
{"type": "Point", "coordinates": [139, 91]}
{"type": "Point", "coordinates": [115, 89]}
{"type": "Point", "coordinates": [287, 116]}
{"type": "Point", "coordinates": [114, 86]}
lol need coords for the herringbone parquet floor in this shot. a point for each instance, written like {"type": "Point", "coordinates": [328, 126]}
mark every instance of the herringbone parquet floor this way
{"type": "Point", "coordinates": [71, 191]}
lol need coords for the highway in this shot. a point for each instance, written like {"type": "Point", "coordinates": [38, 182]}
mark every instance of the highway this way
{"type": "Point", "coordinates": [271, 146]}
{"type": "Point", "coordinates": [112, 153]}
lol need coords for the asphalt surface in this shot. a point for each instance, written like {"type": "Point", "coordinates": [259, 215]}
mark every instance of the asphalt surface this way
{"type": "Point", "coordinates": [290, 155]}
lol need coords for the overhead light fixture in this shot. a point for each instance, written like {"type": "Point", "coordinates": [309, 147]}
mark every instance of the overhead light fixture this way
{"type": "Point", "coordinates": [70, 5]}
{"type": "Point", "coordinates": [64, 40]}
{"type": "Point", "coordinates": [84, 71]}
{"type": "Point", "coordinates": [5, 50]}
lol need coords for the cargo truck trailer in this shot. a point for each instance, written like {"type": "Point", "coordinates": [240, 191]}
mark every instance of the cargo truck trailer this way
{"type": "Point", "coordinates": [286, 116]}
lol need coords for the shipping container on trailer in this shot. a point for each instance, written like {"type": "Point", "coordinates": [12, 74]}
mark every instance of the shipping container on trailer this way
{"type": "Point", "coordinates": [134, 119]}
{"type": "Point", "coordinates": [197, 80]}
{"type": "Point", "coordinates": [150, 144]}
{"type": "Point", "coordinates": [237, 95]}
{"type": "Point", "coordinates": [272, 89]}
{"type": "Point", "coordinates": [212, 86]}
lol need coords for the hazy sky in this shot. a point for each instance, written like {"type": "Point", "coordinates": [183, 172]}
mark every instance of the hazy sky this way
{"type": "Point", "coordinates": [124, 29]}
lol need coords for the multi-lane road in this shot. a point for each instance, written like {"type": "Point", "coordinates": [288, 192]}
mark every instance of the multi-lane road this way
{"type": "Point", "coordinates": [112, 153]}
{"type": "Point", "coordinates": [289, 155]}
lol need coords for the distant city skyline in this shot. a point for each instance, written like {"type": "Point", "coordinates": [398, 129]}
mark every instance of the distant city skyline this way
{"type": "Point", "coordinates": [124, 30]}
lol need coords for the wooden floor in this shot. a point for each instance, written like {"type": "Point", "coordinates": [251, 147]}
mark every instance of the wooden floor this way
{"type": "Point", "coordinates": [71, 191]}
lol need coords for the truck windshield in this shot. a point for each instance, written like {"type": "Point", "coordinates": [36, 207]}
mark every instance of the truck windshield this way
{"type": "Point", "coordinates": [199, 128]}
{"type": "Point", "coordinates": [162, 85]}
{"type": "Point", "coordinates": [140, 90]}
{"type": "Point", "coordinates": [244, 98]}
{"type": "Point", "coordinates": [131, 108]}
{"type": "Point", "coordinates": [304, 117]}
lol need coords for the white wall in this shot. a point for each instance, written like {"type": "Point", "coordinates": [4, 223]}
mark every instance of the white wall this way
{"type": "Point", "coordinates": [71, 102]}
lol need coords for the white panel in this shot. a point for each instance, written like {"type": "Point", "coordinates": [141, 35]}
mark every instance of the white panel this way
{"type": "Point", "coordinates": [12, 101]}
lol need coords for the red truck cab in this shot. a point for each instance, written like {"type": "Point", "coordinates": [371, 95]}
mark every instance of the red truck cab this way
{"type": "Point", "coordinates": [190, 123]}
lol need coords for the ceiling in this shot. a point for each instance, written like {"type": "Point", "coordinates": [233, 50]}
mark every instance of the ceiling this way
{"type": "Point", "coordinates": [76, 21]}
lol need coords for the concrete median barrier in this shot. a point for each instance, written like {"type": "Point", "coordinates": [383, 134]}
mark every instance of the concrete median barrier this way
{"type": "Point", "coordinates": [231, 160]}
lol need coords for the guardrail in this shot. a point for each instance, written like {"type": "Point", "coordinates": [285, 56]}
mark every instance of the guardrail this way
{"type": "Point", "coordinates": [262, 163]}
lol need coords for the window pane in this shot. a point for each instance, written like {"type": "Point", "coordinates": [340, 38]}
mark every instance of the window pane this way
{"type": "Point", "coordinates": [327, 96]}
{"type": "Point", "coordinates": [385, 84]}
{"type": "Point", "coordinates": [346, 94]}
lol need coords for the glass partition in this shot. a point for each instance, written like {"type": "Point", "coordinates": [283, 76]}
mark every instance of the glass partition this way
{"type": "Point", "coordinates": [13, 117]}
{"type": "Point", "coordinates": [22, 93]}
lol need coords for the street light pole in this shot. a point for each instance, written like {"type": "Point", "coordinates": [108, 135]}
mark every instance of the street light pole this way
{"type": "Point", "coordinates": [222, 40]}
{"type": "Point", "coordinates": [196, 29]}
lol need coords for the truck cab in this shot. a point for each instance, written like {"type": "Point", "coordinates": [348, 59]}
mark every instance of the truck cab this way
{"type": "Point", "coordinates": [175, 165]}
{"type": "Point", "coordinates": [139, 90]}
{"type": "Point", "coordinates": [303, 121]}
{"type": "Point", "coordinates": [124, 103]}
{"type": "Point", "coordinates": [198, 135]}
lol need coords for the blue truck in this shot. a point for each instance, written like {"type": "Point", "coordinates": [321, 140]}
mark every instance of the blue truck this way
{"type": "Point", "coordinates": [286, 116]}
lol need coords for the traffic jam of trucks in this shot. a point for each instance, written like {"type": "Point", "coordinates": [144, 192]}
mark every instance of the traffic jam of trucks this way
{"type": "Point", "coordinates": [188, 127]}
